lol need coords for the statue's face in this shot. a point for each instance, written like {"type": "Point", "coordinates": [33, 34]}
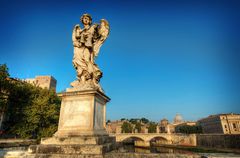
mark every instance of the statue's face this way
{"type": "Point", "coordinates": [86, 20]}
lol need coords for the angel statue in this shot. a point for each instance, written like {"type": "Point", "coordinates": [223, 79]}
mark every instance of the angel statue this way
{"type": "Point", "coordinates": [87, 42]}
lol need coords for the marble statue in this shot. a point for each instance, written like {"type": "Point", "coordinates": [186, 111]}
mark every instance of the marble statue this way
{"type": "Point", "coordinates": [82, 121]}
{"type": "Point", "coordinates": [87, 42]}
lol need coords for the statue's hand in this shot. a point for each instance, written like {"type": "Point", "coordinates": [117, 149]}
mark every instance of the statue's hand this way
{"type": "Point", "coordinates": [95, 25]}
{"type": "Point", "coordinates": [77, 26]}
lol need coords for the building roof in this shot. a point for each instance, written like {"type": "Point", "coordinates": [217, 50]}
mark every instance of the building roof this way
{"type": "Point", "coordinates": [178, 119]}
{"type": "Point", "coordinates": [217, 115]}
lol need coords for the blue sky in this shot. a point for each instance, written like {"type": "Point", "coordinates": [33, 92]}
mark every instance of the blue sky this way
{"type": "Point", "coordinates": [161, 57]}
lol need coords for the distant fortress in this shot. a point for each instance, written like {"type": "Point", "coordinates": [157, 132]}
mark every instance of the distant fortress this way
{"type": "Point", "coordinates": [48, 82]}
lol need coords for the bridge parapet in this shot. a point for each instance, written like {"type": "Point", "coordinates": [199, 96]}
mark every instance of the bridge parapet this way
{"type": "Point", "coordinates": [178, 139]}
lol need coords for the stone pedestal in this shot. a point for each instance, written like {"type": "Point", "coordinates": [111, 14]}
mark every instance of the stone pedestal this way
{"type": "Point", "coordinates": [82, 113]}
{"type": "Point", "coordinates": [81, 128]}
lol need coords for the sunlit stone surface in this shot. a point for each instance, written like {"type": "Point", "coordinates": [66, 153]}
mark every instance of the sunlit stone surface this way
{"type": "Point", "coordinates": [81, 129]}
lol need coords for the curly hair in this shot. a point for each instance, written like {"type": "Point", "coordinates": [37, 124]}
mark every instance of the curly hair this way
{"type": "Point", "coordinates": [86, 15]}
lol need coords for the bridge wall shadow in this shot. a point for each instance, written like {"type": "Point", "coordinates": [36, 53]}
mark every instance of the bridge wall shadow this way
{"type": "Point", "coordinates": [136, 141]}
{"type": "Point", "coordinates": [156, 141]}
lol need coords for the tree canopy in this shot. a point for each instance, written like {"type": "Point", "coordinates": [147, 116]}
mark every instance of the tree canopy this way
{"type": "Point", "coordinates": [127, 127]}
{"type": "Point", "coordinates": [189, 129]}
{"type": "Point", "coordinates": [144, 120]}
{"type": "Point", "coordinates": [4, 83]}
{"type": "Point", "coordinates": [152, 128]}
{"type": "Point", "coordinates": [30, 111]}
{"type": "Point", "coordinates": [138, 127]}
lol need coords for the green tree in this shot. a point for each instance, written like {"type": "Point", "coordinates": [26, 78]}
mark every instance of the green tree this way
{"type": "Point", "coordinates": [152, 127]}
{"type": "Point", "coordinates": [4, 84]}
{"type": "Point", "coordinates": [138, 127]}
{"type": "Point", "coordinates": [43, 114]}
{"type": "Point", "coordinates": [127, 127]}
{"type": "Point", "coordinates": [19, 97]}
{"type": "Point", "coordinates": [189, 129]}
{"type": "Point", "coordinates": [123, 119]}
{"type": "Point", "coordinates": [144, 120]}
{"type": "Point", "coordinates": [133, 120]}
{"type": "Point", "coordinates": [32, 112]}
{"type": "Point", "coordinates": [40, 116]}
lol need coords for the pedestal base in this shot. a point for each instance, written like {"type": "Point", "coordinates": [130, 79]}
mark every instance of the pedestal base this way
{"type": "Point", "coordinates": [80, 140]}
{"type": "Point", "coordinates": [81, 129]}
{"type": "Point", "coordinates": [94, 146]}
{"type": "Point", "coordinates": [82, 113]}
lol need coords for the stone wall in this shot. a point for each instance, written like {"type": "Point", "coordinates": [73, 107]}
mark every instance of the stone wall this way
{"type": "Point", "coordinates": [150, 155]}
{"type": "Point", "coordinates": [7, 143]}
{"type": "Point", "coordinates": [218, 140]}
{"type": "Point", "coordinates": [184, 139]}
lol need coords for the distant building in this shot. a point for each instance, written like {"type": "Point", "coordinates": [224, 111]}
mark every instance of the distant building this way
{"type": "Point", "coordinates": [170, 128]}
{"type": "Point", "coordinates": [166, 127]}
{"type": "Point", "coordinates": [114, 127]}
{"type": "Point", "coordinates": [221, 123]}
{"type": "Point", "coordinates": [144, 128]}
{"type": "Point", "coordinates": [163, 125]}
{"type": "Point", "coordinates": [178, 119]}
{"type": "Point", "coordinates": [187, 123]}
{"type": "Point", "coordinates": [48, 82]}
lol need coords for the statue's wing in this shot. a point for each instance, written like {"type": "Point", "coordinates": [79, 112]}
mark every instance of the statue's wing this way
{"type": "Point", "coordinates": [103, 32]}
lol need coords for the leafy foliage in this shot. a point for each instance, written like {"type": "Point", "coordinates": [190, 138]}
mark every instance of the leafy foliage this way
{"type": "Point", "coordinates": [138, 127]}
{"type": "Point", "coordinates": [127, 127]}
{"type": "Point", "coordinates": [32, 112]}
{"type": "Point", "coordinates": [189, 129]}
{"type": "Point", "coordinates": [4, 83]}
{"type": "Point", "coordinates": [152, 127]}
{"type": "Point", "coordinates": [134, 124]}
{"type": "Point", "coordinates": [122, 119]}
{"type": "Point", "coordinates": [144, 120]}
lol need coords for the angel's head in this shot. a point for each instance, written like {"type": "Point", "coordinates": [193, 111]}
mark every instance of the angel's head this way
{"type": "Point", "coordinates": [86, 19]}
{"type": "Point", "coordinates": [104, 23]}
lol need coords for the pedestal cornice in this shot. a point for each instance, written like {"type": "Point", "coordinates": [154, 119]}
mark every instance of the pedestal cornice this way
{"type": "Point", "coordinates": [87, 92]}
